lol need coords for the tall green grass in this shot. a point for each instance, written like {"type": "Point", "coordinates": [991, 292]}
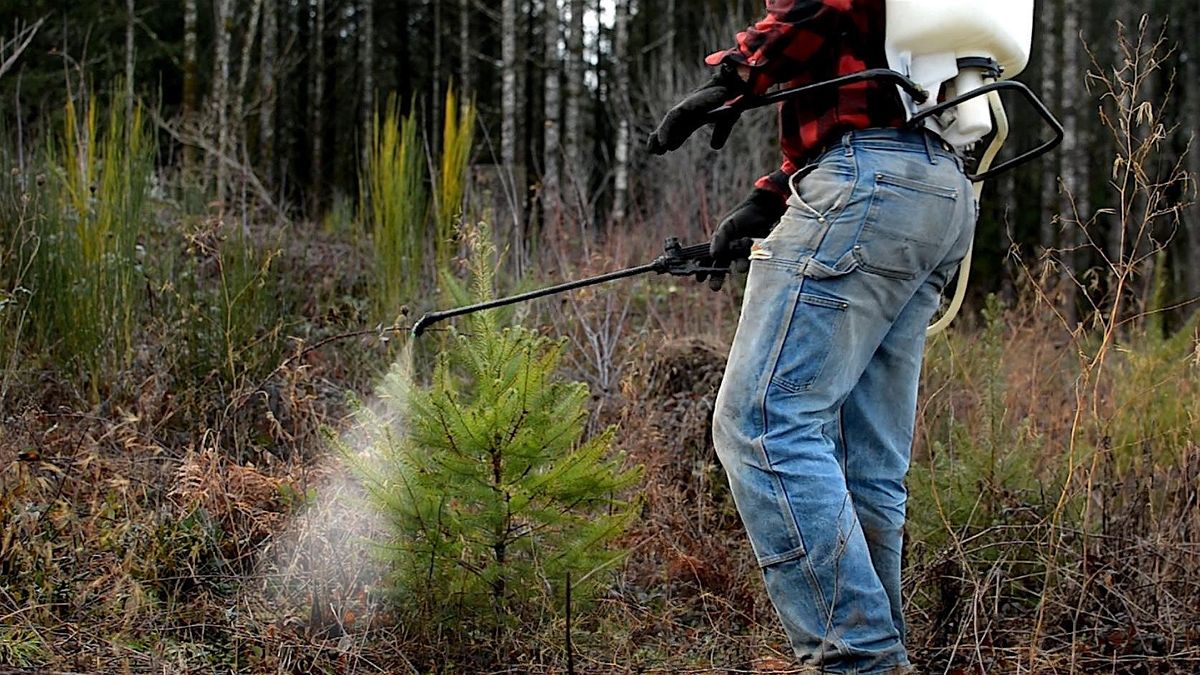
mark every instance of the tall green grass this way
{"type": "Point", "coordinates": [451, 184]}
{"type": "Point", "coordinates": [393, 203]}
{"type": "Point", "coordinates": [412, 240]}
{"type": "Point", "coordinates": [84, 273]}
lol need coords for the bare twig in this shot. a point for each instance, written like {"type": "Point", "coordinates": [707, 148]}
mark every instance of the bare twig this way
{"type": "Point", "coordinates": [15, 46]}
{"type": "Point", "coordinates": [247, 172]}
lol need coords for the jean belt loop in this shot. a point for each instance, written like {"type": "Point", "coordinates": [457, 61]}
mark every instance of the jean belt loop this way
{"type": "Point", "coordinates": [846, 146]}
{"type": "Point", "coordinates": [928, 136]}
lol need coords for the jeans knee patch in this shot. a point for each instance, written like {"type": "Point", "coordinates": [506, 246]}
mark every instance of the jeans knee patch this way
{"type": "Point", "coordinates": [777, 558]}
{"type": "Point", "coordinates": [764, 509]}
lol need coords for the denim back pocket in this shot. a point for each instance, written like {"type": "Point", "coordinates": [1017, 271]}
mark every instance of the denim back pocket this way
{"type": "Point", "coordinates": [907, 226]}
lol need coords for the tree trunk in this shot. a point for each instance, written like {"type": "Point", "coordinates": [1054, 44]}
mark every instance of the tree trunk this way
{"type": "Point", "coordinates": [1191, 215]}
{"type": "Point", "coordinates": [529, 87]}
{"type": "Point", "coordinates": [267, 79]}
{"type": "Point", "coordinates": [190, 20]}
{"type": "Point", "coordinates": [464, 53]}
{"type": "Point", "coordinates": [508, 96]}
{"type": "Point", "coordinates": [224, 26]}
{"type": "Point", "coordinates": [508, 123]}
{"type": "Point", "coordinates": [1051, 68]}
{"type": "Point", "coordinates": [574, 171]}
{"type": "Point", "coordinates": [368, 78]}
{"type": "Point", "coordinates": [1114, 239]}
{"type": "Point", "coordinates": [1070, 87]}
{"type": "Point", "coordinates": [551, 150]}
{"type": "Point", "coordinates": [317, 103]}
{"type": "Point", "coordinates": [239, 95]}
{"type": "Point", "coordinates": [1003, 193]}
{"type": "Point", "coordinates": [1070, 218]}
{"type": "Point", "coordinates": [1085, 113]}
{"type": "Point", "coordinates": [129, 60]}
{"type": "Point", "coordinates": [436, 139]}
{"type": "Point", "coordinates": [601, 131]}
{"type": "Point", "coordinates": [403, 71]}
{"type": "Point", "coordinates": [619, 94]}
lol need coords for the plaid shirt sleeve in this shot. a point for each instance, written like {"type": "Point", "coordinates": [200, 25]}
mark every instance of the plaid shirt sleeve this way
{"type": "Point", "coordinates": [778, 49]}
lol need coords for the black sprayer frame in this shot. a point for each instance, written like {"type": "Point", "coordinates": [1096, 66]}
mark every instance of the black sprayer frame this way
{"type": "Point", "coordinates": [741, 104]}
{"type": "Point", "coordinates": [679, 260]}
{"type": "Point", "coordinates": [1034, 102]}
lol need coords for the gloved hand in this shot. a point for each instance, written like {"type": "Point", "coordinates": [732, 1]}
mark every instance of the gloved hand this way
{"type": "Point", "coordinates": [691, 113]}
{"type": "Point", "coordinates": [753, 218]}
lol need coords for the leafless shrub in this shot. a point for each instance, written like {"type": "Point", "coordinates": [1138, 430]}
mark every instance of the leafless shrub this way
{"type": "Point", "coordinates": [1069, 528]}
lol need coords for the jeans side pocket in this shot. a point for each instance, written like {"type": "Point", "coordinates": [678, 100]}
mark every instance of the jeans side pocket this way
{"type": "Point", "coordinates": [811, 336]}
{"type": "Point", "coordinates": [823, 189]}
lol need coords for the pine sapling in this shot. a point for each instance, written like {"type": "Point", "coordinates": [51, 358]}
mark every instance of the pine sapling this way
{"type": "Point", "coordinates": [492, 494]}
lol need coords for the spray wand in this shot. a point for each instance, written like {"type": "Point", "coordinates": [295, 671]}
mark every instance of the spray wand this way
{"type": "Point", "coordinates": [676, 260]}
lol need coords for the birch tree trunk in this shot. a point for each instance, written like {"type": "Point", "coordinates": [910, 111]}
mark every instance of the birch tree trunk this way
{"type": "Point", "coordinates": [508, 124]}
{"type": "Point", "coordinates": [317, 103]}
{"type": "Point", "coordinates": [239, 94]}
{"type": "Point", "coordinates": [528, 88]}
{"type": "Point", "coordinates": [368, 77]}
{"type": "Point", "coordinates": [1070, 86]}
{"type": "Point", "coordinates": [623, 108]}
{"type": "Point", "coordinates": [224, 26]}
{"type": "Point", "coordinates": [508, 95]}
{"type": "Point", "coordinates": [267, 79]}
{"type": "Point", "coordinates": [1070, 218]}
{"type": "Point", "coordinates": [1050, 79]}
{"type": "Point", "coordinates": [190, 20]}
{"type": "Point", "coordinates": [551, 150]}
{"type": "Point", "coordinates": [573, 170]}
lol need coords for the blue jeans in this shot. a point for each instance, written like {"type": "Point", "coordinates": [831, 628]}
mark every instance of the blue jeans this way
{"type": "Point", "coordinates": [814, 419]}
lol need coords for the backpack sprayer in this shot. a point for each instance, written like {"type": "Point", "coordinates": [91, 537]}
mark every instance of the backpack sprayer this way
{"type": "Point", "coordinates": [965, 50]}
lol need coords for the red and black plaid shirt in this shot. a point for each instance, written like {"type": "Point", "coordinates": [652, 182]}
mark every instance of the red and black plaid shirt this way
{"type": "Point", "coordinates": [805, 41]}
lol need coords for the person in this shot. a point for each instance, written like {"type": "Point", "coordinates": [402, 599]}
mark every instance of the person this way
{"type": "Point", "coordinates": [850, 243]}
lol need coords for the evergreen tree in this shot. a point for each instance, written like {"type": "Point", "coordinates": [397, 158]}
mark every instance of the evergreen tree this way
{"type": "Point", "coordinates": [491, 492]}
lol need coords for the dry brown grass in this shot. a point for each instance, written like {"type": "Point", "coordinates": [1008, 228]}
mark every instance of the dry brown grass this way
{"type": "Point", "coordinates": [123, 550]}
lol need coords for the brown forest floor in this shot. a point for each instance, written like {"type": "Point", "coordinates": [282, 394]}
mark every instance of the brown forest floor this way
{"type": "Point", "coordinates": [131, 542]}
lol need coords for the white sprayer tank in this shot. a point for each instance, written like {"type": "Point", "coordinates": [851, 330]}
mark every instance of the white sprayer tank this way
{"type": "Point", "coordinates": [925, 38]}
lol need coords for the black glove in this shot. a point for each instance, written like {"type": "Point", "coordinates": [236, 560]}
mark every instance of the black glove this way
{"type": "Point", "coordinates": [692, 113]}
{"type": "Point", "coordinates": [753, 218]}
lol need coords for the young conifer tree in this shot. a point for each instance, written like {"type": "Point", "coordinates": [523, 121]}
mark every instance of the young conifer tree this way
{"type": "Point", "coordinates": [492, 494]}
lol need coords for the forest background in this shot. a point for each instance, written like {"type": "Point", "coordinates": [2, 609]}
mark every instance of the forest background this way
{"type": "Point", "coordinates": [166, 478]}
